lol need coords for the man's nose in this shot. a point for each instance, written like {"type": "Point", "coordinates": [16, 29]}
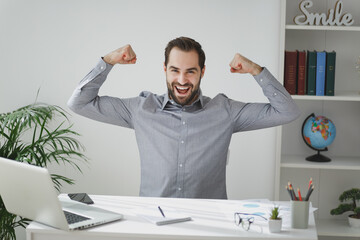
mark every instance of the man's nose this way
{"type": "Point", "coordinates": [182, 78]}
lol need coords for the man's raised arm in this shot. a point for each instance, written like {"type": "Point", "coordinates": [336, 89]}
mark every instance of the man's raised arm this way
{"type": "Point", "coordinates": [281, 109]}
{"type": "Point", "coordinates": [86, 102]}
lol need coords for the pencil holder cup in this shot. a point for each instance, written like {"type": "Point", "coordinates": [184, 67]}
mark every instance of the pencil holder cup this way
{"type": "Point", "coordinates": [299, 214]}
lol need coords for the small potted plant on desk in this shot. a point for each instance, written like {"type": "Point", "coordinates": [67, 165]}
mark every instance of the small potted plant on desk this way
{"type": "Point", "coordinates": [351, 195]}
{"type": "Point", "coordinates": [275, 220]}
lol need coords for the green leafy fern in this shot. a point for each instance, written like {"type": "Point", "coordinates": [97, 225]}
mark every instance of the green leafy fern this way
{"type": "Point", "coordinates": [36, 134]}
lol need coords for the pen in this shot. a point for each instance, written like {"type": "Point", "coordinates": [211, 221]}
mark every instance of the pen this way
{"type": "Point", "coordinates": [310, 183]}
{"type": "Point", "coordinates": [161, 211]}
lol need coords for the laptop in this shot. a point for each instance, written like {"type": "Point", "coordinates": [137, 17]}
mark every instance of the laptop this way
{"type": "Point", "coordinates": [28, 191]}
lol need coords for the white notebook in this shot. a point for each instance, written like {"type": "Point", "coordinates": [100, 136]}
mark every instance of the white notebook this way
{"type": "Point", "coordinates": [170, 215]}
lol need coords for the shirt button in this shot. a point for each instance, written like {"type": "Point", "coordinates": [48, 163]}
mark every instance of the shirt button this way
{"type": "Point", "coordinates": [180, 165]}
{"type": "Point", "coordinates": [179, 188]}
{"type": "Point", "coordinates": [101, 67]}
{"type": "Point", "coordinates": [275, 94]}
{"type": "Point", "coordinates": [182, 141]}
{"type": "Point", "coordinates": [183, 123]}
{"type": "Point", "coordinates": [261, 80]}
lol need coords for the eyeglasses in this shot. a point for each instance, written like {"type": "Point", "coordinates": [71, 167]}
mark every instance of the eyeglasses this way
{"type": "Point", "coordinates": [245, 219]}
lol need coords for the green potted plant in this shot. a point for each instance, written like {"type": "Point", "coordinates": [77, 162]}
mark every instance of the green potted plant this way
{"type": "Point", "coordinates": [352, 196]}
{"type": "Point", "coordinates": [26, 135]}
{"type": "Point", "coordinates": [275, 221]}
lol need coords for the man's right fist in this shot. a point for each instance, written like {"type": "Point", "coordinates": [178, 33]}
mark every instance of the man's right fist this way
{"type": "Point", "coordinates": [123, 55]}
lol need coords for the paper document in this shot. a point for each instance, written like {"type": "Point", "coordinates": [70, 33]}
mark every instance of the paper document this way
{"type": "Point", "coordinates": [165, 216]}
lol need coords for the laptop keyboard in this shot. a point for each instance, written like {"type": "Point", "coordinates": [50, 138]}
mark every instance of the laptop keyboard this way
{"type": "Point", "coordinates": [74, 218]}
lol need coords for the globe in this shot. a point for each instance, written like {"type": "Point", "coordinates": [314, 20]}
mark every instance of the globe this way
{"type": "Point", "coordinates": [318, 133]}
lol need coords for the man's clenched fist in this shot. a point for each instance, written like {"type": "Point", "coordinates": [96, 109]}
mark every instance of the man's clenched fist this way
{"type": "Point", "coordinates": [123, 55]}
{"type": "Point", "coordinates": [241, 64]}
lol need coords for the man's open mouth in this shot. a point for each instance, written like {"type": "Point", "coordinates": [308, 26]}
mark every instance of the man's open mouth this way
{"type": "Point", "coordinates": [182, 90]}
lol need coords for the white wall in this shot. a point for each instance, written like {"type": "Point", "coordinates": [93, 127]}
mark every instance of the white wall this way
{"type": "Point", "coordinates": [52, 44]}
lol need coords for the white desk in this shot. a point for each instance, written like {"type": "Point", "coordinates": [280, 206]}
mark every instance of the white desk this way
{"type": "Point", "coordinates": [211, 219]}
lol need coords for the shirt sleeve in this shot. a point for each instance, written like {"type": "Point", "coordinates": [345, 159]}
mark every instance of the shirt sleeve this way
{"type": "Point", "coordinates": [281, 108]}
{"type": "Point", "coordinates": [85, 100]}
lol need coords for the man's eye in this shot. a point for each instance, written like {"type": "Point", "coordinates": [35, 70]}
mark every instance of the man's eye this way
{"type": "Point", "coordinates": [174, 70]}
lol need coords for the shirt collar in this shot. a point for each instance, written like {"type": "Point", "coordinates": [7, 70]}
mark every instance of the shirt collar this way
{"type": "Point", "coordinates": [168, 100]}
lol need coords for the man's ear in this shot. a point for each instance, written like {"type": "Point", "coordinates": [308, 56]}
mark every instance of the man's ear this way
{"type": "Point", "coordinates": [164, 67]}
{"type": "Point", "coordinates": [202, 71]}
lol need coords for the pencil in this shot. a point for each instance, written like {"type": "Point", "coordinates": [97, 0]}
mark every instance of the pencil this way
{"type": "Point", "coordinates": [298, 190]}
{"type": "Point", "coordinates": [292, 191]}
{"type": "Point", "coordinates": [310, 183]}
{"type": "Point", "coordinates": [288, 190]}
{"type": "Point", "coordinates": [309, 193]}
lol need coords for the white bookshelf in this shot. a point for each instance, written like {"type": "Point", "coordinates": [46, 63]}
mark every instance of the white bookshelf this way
{"type": "Point", "coordinates": [337, 163]}
{"type": "Point", "coordinates": [343, 172]}
{"type": "Point", "coordinates": [336, 228]}
{"type": "Point", "coordinates": [340, 96]}
{"type": "Point", "coordinates": [317, 28]}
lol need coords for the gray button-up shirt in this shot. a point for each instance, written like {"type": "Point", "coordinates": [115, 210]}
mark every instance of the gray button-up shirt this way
{"type": "Point", "coordinates": [183, 149]}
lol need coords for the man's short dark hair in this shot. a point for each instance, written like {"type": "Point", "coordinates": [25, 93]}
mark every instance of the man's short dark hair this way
{"type": "Point", "coordinates": [185, 44]}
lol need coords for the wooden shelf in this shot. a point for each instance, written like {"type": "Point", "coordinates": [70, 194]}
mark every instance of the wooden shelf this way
{"type": "Point", "coordinates": [340, 96]}
{"type": "Point", "coordinates": [337, 163]}
{"type": "Point", "coordinates": [336, 228]}
{"type": "Point", "coordinates": [324, 28]}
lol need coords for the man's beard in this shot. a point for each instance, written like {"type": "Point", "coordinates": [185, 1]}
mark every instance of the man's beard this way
{"type": "Point", "coordinates": [186, 101]}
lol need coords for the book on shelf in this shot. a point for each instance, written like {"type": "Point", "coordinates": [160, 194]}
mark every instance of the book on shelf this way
{"type": "Point", "coordinates": [290, 71]}
{"type": "Point", "coordinates": [320, 73]}
{"type": "Point", "coordinates": [330, 74]}
{"type": "Point", "coordinates": [311, 73]}
{"type": "Point", "coordinates": [301, 70]}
